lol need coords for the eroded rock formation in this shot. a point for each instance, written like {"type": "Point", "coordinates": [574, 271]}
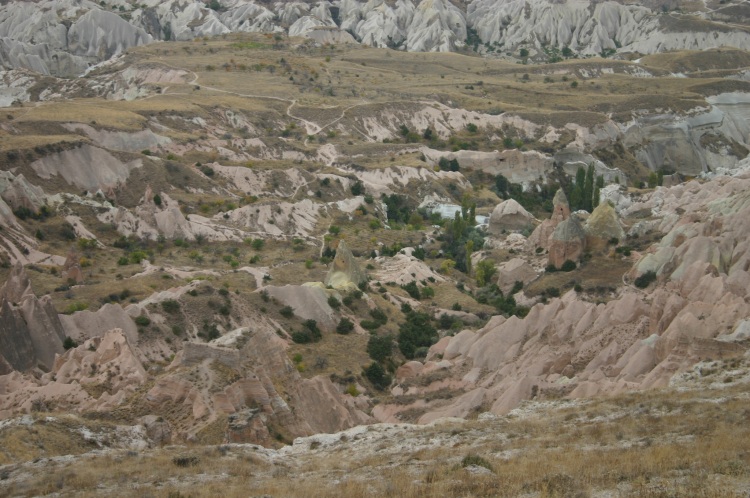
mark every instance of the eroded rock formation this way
{"type": "Point", "coordinates": [576, 348]}
{"type": "Point", "coordinates": [509, 216]}
{"type": "Point", "coordinates": [30, 331]}
{"type": "Point", "coordinates": [345, 273]}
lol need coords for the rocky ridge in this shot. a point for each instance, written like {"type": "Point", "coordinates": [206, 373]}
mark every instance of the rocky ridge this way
{"type": "Point", "coordinates": [64, 39]}
{"type": "Point", "coordinates": [639, 340]}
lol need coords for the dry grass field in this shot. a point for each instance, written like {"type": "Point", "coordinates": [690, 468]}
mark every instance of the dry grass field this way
{"type": "Point", "coordinates": [250, 74]}
{"type": "Point", "coordinates": [690, 442]}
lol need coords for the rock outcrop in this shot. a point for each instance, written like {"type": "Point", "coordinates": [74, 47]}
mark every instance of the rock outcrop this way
{"type": "Point", "coordinates": [71, 270]}
{"type": "Point", "coordinates": [515, 270]}
{"type": "Point", "coordinates": [107, 365]}
{"type": "Point", "coordinates": [309, 302]}
{"type": "Point", "coordinates": [86, 167]}
{"type": "Point", "coordinates": [246, 385]}
{"type": "Point", "coordinates": [402, 269]}
{"type": "Point", "coordinates": [575, 348]}
{"type": "Point", "coordinates": [568, 242]}
{"type": "Point", "coordinates": [64, 38]}
{"type": "Point", "coordinates": [84, 325]}
{"type": "Point", "coordinates": [509, 216]}
{"type": "Point", "coordinates": [603, 226]}
{"type": "Point", "coordinates": [30, 331]}
{"type": "Point", "coordinates": [18, 193]}
{"type": "Point", "coordinates": [345, 273]}
{"type": "Point", "coordinates": [541, 237]}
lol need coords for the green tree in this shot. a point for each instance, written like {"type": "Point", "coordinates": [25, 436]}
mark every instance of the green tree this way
{"type": "Point", "coordinates": [485, 271]}
{"type": "Point", "coordinates": [588, 188]}
{"type": "Point", "coordinates": [258, 244]}
{"type": "Point", "coordinates": [168, 31]}
{"type": "Point", "coordinates": [448, 165]}
{"type": "Point", "coordinates": [576, 193]}
{"type": "Point", "coordinates": [412, 289]}
{"type": "Point", "coordinates": [358, 188]}
{"type": "Point", "coordinates": [312, 327]}
{"type": "Point", "coordinates": [344, 327]}
{"type": "Point", "coordinates": [380, 348]}
{"type": "Point", "coordinates": [458, 232]}
{"type": "Point", "coordinates": [416, 332]}
{"type": "Point", "coordinates": [287, 312]}
{"type": "Point", "coordinates": [397, 208]}
{"type": "Point", "coordinates": [377, 376]}
{"type": "Point", "coordinates": [501, 186]}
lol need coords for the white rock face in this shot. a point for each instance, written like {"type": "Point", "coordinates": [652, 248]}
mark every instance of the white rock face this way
{"type": "Point", "coordinates": [673, 142]}
{"type": "Point", "coordinates": [588, 27]}
{"type": "Point", "coordinates": [86, 167]}
{"type": "Point", "coordinates": [64, 37]}
{"type": "Point", "coordinates": [515, 270]}
{"type": "Point", "coordinates": [509, 215]}
{"type": "Point", "coordinates": [305, 24]}
{"type": "Point", "coordinates": [617, 195]}
{"type": "Point", "coordinates": [120, 140]}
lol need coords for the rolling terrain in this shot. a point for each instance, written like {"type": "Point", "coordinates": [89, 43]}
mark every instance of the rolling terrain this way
{"type": "Point", "coordinates": [236, 257]}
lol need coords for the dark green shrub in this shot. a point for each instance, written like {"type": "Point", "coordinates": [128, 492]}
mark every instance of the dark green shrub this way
{"type": "Point", "coordinates": [370, 325]}
{"type": "Point", "coordinates": [287, 311]}
{"type": "Point", "coordinates": [416, 332]}
{"type": "Point", "coordinates": [380, 348]}
{"type": "Point", "coordinates": [358, 188]}
{"type": "Point", "coordinates": [170, 306]}
{"type": "Point", "coordinates": [185, 461]}
{"type": "Point", "coordinates": [301, 337]}
{"type": "Point", "coordinates": [645, 280]}
{"type": "Point", "coordinates": [471, 459]}
{"type": "Point", "coordinates": [412, 289]}
{"type": "Point", "coordinates": [377, 376]}
{"type": "Point", "coordinates": [378, 315]}
{"type": "Point", "coordinates": [312, 327]}
{"type": "Point", "coordinates": [568, 265]}
{"type": "Point", "coordinates": [445, 321]}
{"type": "Point", "coordinates": [344, 327]}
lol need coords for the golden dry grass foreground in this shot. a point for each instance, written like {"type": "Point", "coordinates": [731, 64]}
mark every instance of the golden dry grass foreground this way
{"type": "Point", "coordinates": [690, 441]}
